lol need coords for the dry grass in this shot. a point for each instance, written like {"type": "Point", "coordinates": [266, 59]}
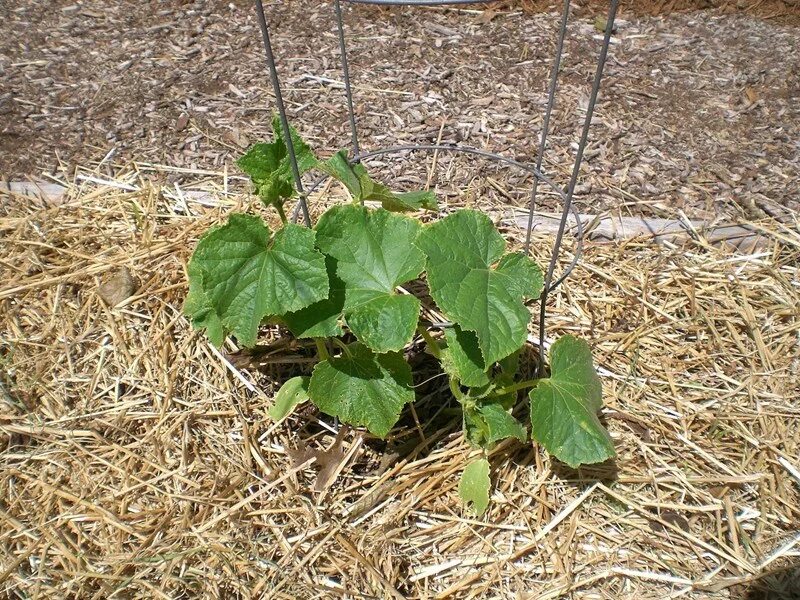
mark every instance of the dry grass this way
{"type": "Point", "coordinates": [138, 462]}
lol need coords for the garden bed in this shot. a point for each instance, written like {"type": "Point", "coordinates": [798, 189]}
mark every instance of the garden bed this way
{"type": "Point", "coordinates": [137, 457]}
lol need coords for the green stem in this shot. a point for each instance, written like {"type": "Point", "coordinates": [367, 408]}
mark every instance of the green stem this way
{"type": "Point", "coordinates": [322, 351]}
{"type": "Point", "coordinates": [281, 214]}
{"type": "Point", "coordinates": [460, 396]}
{"type": "Point", "coordinates": [529, 383]}
{"type": "Point", "coordinates": [433, 345]}
{"type": "Point", "coordinates": [341, 345]}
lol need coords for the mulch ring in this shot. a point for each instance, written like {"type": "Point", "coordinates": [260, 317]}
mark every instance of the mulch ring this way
{"type": "Point", "coordinates": [139, 460]}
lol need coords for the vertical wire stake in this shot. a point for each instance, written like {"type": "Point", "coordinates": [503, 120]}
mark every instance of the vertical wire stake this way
{"type": "Point", "coordinates": [276, 88]}
{"type": "Point", "coordinates": [612, 13]}
{"type": "Point", "coordinates": [551, 97]}
{"type": "Point", "coordinates": [346, 72]}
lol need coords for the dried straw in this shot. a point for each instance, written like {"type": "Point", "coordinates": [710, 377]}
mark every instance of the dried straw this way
{"type": "Point", "coordinates": [139, 461]}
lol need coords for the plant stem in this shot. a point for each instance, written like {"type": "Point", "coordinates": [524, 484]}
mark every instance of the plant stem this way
{"type": "Point", "coordinates": [529, 383]}
{"type": "Point", "coordinates": [341, 344]}
{"type": "Point", "coordinates": [322, 351]}
{"type": "Point", "coordinates": [456, 391]}
{"type": "Point", "coordinates": [433, 345]}
{"type": "Point", "coordinates": [281, 214]}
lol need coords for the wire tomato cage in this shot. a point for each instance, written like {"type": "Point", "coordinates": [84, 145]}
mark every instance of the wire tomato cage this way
{"type": "Point", "coordinates": [535, 168]}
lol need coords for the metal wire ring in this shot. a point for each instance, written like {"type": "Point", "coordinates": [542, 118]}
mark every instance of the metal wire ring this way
{"type": "Point", "coordinates": [567, 196]}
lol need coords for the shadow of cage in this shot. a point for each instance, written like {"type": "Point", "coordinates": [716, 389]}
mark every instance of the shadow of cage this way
{"type": "Point", "coordinates": [534, 168]}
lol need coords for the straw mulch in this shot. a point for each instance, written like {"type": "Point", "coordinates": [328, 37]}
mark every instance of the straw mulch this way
{"type": "Point", "coordinates": [139, 462]}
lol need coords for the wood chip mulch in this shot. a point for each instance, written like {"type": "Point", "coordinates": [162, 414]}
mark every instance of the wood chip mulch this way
{"type": "Point", "coordinates": [700, 110]}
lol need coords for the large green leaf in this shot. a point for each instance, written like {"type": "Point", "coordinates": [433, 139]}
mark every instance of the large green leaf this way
{"type": "Point", "coordinates": [321, 319]}
{"type": "Point", "coordinates": [462, 359]}
{"type": "Point", "coordinates": [475, 485]}
{"type": "Point", "coordinates": [199, 309]}
{"type": "Point", "coordinates": [363, 388]}
{"type": "Point", "coordinates": [374, 253]}
{"type": "Point", "coordinates": [269, 166]}
{"type": "Point", "coordinates": [461, 251]}
{"type": "Point", "coordinates": [564, 406]}
{"type": "Point", "coordinates": [246, 275]}
{"type": "Point", "coordinates": [363, 188]}
{"type": "Point", "coordinates": [292, 392]}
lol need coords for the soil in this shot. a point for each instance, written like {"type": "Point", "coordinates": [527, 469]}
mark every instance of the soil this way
{"type": "Point", "coordinates": [700, 109]}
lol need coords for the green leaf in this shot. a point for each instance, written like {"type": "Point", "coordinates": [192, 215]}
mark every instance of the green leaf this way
{"type": "Point", "coordinates": [363, 388]}
{"type": "Point", "coordinates": [245, 275]}
{"type": "Point", "coordinates": [323, 318]}
{"type": "Point", "coordinates": [486, 424]}
{"type": "Point", "coordinates": [292, 393]}
{"type": "Point", "coordinates": [475, 485]}
{"type": "Point", "coordinates": [500, 424]}
{"type": "Point", "coordinates": [460, 251]}
{"type": "Point", "coordinates": [475, 427]}
{"type": "Point", "coordinates": [564, 406]}
{"type": "Point", "coordinates": [524, 275]}
{"type": "Point", "coordinates": [199, 309]}
{"type": "Point", "coordinates": [269, 166]}
{"type": "Point", "coordinates": [462, 359]}
{"type": "Point", "coordinates": [305, 157]}
{"type": "Point", "coordinates": [263, 162]}
{"type": "Point", "coordinates": [416, 200]}
{"type": "Point", "coordinates": [363, 188]}
{"type": "Point", "coordinates": [509, 367]}
{"type": "Point", "coordinates": [338, 166]}
{"type": "Point", "coordinates": [374, 253]}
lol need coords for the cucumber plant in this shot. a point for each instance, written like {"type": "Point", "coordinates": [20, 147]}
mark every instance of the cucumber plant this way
{"type": "Point", "coordinates": [340, 285]}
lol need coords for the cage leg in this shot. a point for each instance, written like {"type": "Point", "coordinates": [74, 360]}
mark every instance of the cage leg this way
{"type": "Point", "coordinates": [276, 88]}
{"type": "Point", "coordinates": [346, 72]}
{"type": "Point", "coordinates": [551, 97]}
{"type": "Point", "coordinates": [612, 13]}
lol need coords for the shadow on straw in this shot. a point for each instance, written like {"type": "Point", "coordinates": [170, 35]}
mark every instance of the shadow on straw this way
{"type": "Point", "coordinates": [780, 584]}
